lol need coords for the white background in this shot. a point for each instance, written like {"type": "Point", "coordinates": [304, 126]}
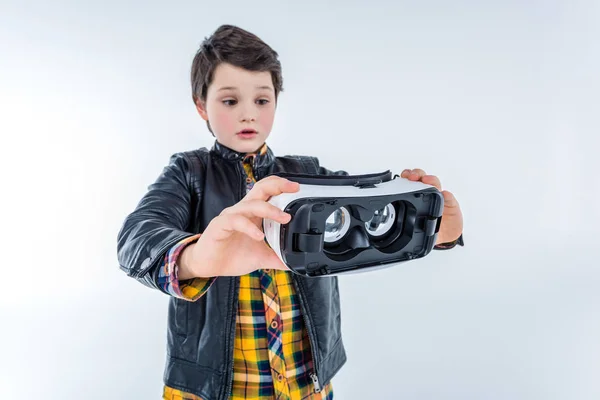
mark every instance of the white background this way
{"type": "Point", "coordinates": [499, 99]}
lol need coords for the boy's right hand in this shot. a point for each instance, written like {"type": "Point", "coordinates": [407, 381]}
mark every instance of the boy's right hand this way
{"type": "Point", "coordinates": [233, 243]}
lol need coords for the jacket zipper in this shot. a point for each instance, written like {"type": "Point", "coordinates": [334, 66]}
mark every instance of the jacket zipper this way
{"type": "Point", "coordinates": [255, 170]}
{"type": "Point", "coordinates": [230, 382]}
{"type": "Point", "coordinates": [313, 375]}
{"type": "Point", "coordinates": [231, 340]}
{"type": "Point", "coordinates": [315, 380]}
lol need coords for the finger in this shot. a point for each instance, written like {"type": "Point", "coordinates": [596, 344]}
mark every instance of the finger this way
{"type": "Point", "coordinates": [405, 173]}
{"type": "Point", "coordinates": [432, 180]}
{"type": "Point", "coordinates": [416, 174]}
{"type": "Point", "coordinates": [449, 199]}
{"type": "Point", "coordinates": [271, 186]}
{"type": "Point", "coordinates": [228, 224]}
{"type": "Point", "coordinates": [260, 209]}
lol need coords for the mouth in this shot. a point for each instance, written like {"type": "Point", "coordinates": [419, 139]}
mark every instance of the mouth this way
{"type": "Point", "coordinates": [247, 133]}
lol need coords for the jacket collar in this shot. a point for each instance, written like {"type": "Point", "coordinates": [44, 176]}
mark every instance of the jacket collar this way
{"type": "Point", "coordinates": [261, 158]}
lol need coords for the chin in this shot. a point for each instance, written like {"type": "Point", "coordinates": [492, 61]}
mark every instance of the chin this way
{"type": "Point", "coordinates": [247, 145]}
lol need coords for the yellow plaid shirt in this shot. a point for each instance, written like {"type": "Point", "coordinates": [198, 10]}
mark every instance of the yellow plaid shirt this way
{"type": "Point", "coordinates": [272, 354]}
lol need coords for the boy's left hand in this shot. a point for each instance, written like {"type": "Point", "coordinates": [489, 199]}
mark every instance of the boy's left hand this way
{"type": "Point", "coordinates": [452, 219]}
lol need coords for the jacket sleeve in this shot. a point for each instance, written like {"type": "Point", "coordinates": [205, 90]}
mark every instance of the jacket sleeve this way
{"type": "Point", "coordinates": [159, 221]}
{"type": "Point", "coordinates": [325, 171]}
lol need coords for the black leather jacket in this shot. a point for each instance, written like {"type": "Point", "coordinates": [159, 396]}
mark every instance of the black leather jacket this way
{"type": "Point", "coordinates": [193, 189]}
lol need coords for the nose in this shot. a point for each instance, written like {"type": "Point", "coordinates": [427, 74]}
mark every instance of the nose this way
{"type": "Point", "coordinates": [248, 114]}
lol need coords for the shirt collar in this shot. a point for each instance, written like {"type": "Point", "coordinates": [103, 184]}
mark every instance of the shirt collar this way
{"type": "Point", "coordinates": [261, 158]}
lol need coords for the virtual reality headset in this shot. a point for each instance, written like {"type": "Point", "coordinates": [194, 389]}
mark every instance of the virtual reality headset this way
{"type": "Point", "coordinates": [357, 223]}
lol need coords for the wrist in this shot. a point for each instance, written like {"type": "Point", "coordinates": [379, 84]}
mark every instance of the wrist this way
{"type": "Point", "coordinates": [190, 266]}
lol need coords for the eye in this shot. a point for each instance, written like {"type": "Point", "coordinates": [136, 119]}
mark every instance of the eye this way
{"type": "Point", "coordinates": [262, 102]}
{"type": "Point", "coordinates": [229, 102]}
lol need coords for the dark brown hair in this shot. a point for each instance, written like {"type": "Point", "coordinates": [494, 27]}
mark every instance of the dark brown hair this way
{"type": "Point", "coordinates": [238, 47]}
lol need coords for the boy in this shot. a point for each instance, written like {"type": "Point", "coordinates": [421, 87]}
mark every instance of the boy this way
{"type": "Point", "coordinates": [239, 324]}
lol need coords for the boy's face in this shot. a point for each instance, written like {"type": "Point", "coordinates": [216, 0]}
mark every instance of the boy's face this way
{"type": "Point", "coordinates": [238, 100]}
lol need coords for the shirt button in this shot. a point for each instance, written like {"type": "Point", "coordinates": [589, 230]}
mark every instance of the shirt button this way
{"type": "Point", "coordinates": [279, 377]}
{"type": "Point", "coordinates": [274, 324]}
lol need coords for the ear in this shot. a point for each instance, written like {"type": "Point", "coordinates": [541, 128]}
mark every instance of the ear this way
{"type": "Point", "coordinates": [201, 108]}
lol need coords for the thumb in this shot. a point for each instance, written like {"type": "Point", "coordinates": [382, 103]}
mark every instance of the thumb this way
{"type": "Point", "coordinates": [271, 260]}
{"type": "Point", "coordinates": [449, 199]}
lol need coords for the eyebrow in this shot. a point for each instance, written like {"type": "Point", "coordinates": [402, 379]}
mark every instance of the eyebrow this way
{"type": "Point", "coordinates": [235, 88]}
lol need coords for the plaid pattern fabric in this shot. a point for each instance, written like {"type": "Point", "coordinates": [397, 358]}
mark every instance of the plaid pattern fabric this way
{"type": "Point", "coordinates": [272, 355]}
{"type": "Point", "coordinates": [191, 289]}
